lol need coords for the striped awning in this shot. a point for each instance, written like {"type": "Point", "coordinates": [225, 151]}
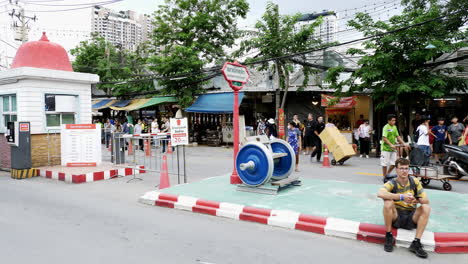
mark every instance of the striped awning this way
{"type": "Point", "coordinates": [136, 104]}
{"type": "Point", "coordinates": [130, 106]}
{"type": "Point", "coordinates": [101, 104]}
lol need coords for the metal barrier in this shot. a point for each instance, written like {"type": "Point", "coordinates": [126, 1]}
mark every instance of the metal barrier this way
{"type": "Point", "coordinates": [148, 150]}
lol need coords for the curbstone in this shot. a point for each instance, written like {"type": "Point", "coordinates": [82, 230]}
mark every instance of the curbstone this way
{"type": "Point", "coordinates": [434, 242]}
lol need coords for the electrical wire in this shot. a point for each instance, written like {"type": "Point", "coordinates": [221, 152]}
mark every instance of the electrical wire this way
{"type": "Point", "coordinates": [82, 4]}
{"type": "Point", "coordinates": [69, 9]}
{"type": "Point", "coordinates": [218, 67]}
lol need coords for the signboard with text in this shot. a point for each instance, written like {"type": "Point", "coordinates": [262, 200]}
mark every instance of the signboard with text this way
{"type": "Point", "coordinates": [281, 130]}
{"type": "Point", "coordinates": [81, 145]}
{"type": "Point", "coordinates": [235, 74]}
{"type": "Point", "coordinates": [179, 131]}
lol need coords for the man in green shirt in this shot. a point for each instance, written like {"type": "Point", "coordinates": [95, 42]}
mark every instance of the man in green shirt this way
{"type": "Point", "coordinates": [390, 136]}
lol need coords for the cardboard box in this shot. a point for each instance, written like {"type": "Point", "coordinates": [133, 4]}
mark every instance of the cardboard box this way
{"type": "Point", "coordinates": [336, 143]}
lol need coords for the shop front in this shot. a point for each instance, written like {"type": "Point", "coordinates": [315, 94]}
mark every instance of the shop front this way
{"type": "Point", "coordinates": [210, 119]}
{"type": "Point", "coordinates": [345, 112]}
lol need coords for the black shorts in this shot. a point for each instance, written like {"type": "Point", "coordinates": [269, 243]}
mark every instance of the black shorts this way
{"type": "Point", "coordinates": [405, 220]}
{"type": "Point", "coordinates": [309, 141]}
{"type": "Point", "coordinates": [438, 147]}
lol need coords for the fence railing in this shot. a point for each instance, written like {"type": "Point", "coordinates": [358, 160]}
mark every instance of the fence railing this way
{"type": "Point", "coordinates": [148, 150]}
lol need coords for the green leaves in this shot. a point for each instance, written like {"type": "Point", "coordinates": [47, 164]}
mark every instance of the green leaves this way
{"type": "Point", "coordinates": [191, 34]}
{"type": "Point", "coordinates": [113, 65]}
{"type": "Point", "coordinates": [278, 35]}
{"type": "Point", "coordinates": [398, 65]}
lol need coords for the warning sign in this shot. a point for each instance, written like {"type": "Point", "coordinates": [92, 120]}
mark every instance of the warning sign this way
{"type": "Point", "coordinates": [24, 127]}
{"type": "Point", "coordinates": [179, 131]}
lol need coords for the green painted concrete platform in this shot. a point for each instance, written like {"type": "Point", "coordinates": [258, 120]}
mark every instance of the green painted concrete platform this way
{"type": "Point", "coordinates": [357, 202]}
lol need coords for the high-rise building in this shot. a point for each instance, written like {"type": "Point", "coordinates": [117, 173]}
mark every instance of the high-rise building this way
{"type": "Point", "coordinates": [123, 28]}
{"type": "Point", "coordinates": [327, 31]}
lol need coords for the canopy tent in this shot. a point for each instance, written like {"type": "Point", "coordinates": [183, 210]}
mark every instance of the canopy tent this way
{"type": "Point", "coordinates": [215, 103]}
{"type": "Point", "coordinates": [338, 105]}
{"type": "Point", "coordinates": [101, 104]}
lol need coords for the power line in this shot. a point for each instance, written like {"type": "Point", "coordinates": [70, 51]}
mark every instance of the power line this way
{"type": "Point", "coordinates": [92, 4]}
{"type": "Point", "coordinates": [218, 67]}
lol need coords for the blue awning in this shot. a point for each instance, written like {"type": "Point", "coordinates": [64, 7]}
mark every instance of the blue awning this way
{"type": "Point", "coordinates": [217, 103]}
{"type": "Point", "coordinates": [121, 103]}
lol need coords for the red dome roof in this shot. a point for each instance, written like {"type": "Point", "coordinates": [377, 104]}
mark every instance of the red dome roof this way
{"type": "Point", "coordinates": [42, 54]}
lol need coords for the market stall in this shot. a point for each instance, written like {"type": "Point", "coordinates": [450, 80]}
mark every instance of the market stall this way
{"type": "Point", "coordinates": [211, 119]}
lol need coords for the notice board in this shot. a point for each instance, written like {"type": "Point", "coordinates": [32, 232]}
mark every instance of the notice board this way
{"type": "Point", "coordinates": [179, 131]}
{"type": "Point", "coordinates": [81, 145]}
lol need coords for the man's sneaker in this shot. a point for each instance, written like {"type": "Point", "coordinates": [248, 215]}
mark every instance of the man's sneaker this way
{"type": "Point", "coordinates": [360, 156]}
{"type": "Point", "coordinates": [418, 249]}
{"type": "Point", "coordinates": [389, 241]}
{"type": "Point", "coordinates": [367, 156]}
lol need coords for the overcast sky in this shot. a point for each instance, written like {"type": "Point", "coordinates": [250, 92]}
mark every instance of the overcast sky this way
{"type": "Point", "coordinates": [69, 27]}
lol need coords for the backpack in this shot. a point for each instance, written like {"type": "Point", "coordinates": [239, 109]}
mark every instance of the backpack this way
{"type": "Point", "coordinates": [412, 185]}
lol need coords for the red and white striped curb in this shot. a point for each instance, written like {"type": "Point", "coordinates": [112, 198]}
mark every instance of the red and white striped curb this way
{"type": "Point", "coordinates": [435, 242]}
{"type": "Point", "coordinates": [91, 176]}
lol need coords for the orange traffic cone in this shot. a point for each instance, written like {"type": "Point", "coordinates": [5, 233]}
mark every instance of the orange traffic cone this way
{"type": "Point", "coordinates": [326, 159]}
{"type": "Point", "coordinates": [147, 148]}
{"type": "Point", "coordinates": [164, 177]}
{"type": "Point", "coordinates": [169, 147]}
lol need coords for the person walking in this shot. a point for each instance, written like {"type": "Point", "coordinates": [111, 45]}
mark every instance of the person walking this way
{"type": "Point", "coordinates": [294, 139]}
{"type": "Point", "coordinates": [364, 132]}
{"type": "Point", "coordinates": [423, 138]}
{"type": "Point", "coordinates": [319, 126]}
{"type": "Point", "coordinates": [390, 137]}
{"type": "Point", "coordinates": [455, 131]}
{"type": "Point", "coordinates": [440, 132]}
{"type": "Point", "coordinates": [165, 128]}
{"type": "Point", "coordinates": [309, 134]}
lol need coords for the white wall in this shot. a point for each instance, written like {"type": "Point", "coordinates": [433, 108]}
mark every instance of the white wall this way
{"type": "Point", "coordinates": [30, 96]}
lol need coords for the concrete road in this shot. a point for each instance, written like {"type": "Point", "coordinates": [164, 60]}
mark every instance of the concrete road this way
{"type": "Point", "coordinates": [44, 221]}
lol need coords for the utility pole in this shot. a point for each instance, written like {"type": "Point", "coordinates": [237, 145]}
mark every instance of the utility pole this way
{"type": "Point", "coordinates": [22, 27]}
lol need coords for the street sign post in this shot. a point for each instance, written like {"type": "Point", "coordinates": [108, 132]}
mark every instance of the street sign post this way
{"type": "Point", "coordinates": [237, 76]}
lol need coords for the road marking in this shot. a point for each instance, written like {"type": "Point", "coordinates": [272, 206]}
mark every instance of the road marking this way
{"type": "Point", "coordinates": [370, 174]}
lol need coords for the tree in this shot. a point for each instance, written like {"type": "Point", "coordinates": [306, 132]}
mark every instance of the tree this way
{"type": "Point", "coordinates": [278, 35]}
{"type": "Point", "coordinates": [115, 66]}
{"type": "Point", "coordinates": [402, 64]}
{"type": "Point", "coordinates": [188, 35]}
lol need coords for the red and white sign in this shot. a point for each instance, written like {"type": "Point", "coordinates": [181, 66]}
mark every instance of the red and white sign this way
{"type": "Point", "coordinates": [24, 127]}
{"type": "Point", "coordinates": [235, 74]}
{"type": "Point", "coordinates": [179, 131]}
{"type": "Point", "coordinates": [81, 145]}
{"type": "Point", "coordinates": [281, 129]}
{"type": "Point", "coordinates": [335, 102]}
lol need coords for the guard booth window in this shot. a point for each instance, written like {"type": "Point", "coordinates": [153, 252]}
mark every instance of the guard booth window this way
{"type": "Point", "coordinates": [60, 109]}
{"type": "Point", "coordinates": [8, 110]}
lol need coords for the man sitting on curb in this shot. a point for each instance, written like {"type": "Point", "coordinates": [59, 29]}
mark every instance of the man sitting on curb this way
{"type": "Point", "coordinates": [401, 196]}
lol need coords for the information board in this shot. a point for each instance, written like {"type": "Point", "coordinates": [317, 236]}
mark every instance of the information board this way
{"type": "Point", "coordinates": [81, 145]}
{"type": "Point", "coordinates": [179, 131]}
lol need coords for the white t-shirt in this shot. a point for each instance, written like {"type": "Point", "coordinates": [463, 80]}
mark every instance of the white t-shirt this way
{"type": "Point", "coordinates": [154, 127]}
{"type": "Point", "coordinates": [423, 135]}
{"type": "Point", "coordinates": [364, 131]}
